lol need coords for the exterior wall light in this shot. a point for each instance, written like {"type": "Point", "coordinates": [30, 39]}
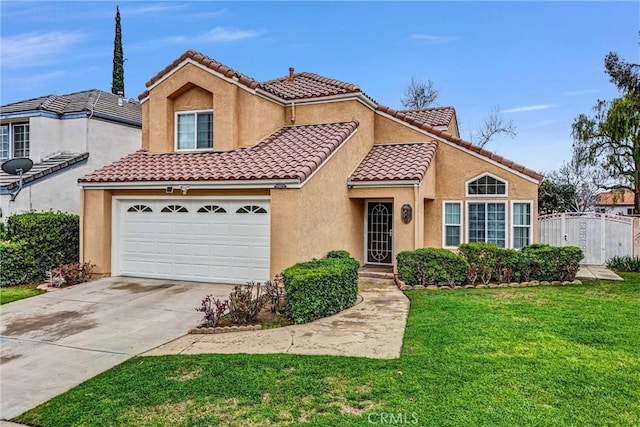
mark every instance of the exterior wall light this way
{"type": "Point", "coordinates": [406, 213]}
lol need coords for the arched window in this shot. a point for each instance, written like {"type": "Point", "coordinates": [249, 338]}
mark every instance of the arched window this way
{"type": "Point", "coordinates": [487, 185]}
{"type": "Point", "coordinates": [211, 209]}
{"type": "Point", "coordinates": [174, 208]}
{"type": "Point", "coordinates": [252, 209]}
{"type": "Point", "coordinates": [139, 208]}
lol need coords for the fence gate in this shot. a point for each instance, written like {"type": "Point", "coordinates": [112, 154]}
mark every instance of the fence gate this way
{"type": "Point", "coordinates": [600, 236]}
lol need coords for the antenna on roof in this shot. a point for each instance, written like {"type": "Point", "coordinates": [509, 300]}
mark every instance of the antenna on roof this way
{"type": "Point", "coordinates": [17, 166]}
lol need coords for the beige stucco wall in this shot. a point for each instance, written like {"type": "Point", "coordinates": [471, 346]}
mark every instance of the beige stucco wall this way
{"type": "Point", "coordinates": [191, 88]}
{"type": "Point", "coordinates": [308, 222]}
{"type": "Point", "coordinates": [452, 178]}
{"type": "Point", "coordinates": [324, 214]}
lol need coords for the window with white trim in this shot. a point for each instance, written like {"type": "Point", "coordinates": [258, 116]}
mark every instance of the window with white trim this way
{"type": "Point", "coordinates": [521, 223]}
{"type": "Point", "coordinates": [194, 130]}
{"type": "Point", "coordinates": [4, 143]}
{"type": "Point", "coordinates": [14, 141]}
{"type": "Point", "coordinates": [452, 224]}
{"type": "Point", "coordinates": [487, 222]}
{"type": "Point", "coordinates": [487, 185]}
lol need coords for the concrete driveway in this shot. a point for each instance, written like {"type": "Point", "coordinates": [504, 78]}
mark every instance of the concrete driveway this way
{"type": "Point", "coordinates": [55, 341]}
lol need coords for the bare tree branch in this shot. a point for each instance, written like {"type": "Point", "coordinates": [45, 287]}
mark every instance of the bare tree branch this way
{"type": "Point", "coordinates": [419, 95]}
{"type": "Point", "coordinates": [494, 124]}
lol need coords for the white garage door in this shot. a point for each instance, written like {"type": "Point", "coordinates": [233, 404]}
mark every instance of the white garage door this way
{"type": "Point", "coordinates": [225, 241]}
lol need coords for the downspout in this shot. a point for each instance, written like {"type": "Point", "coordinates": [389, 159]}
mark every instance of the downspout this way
{"type": "Point", "coordinates": [416, 213]}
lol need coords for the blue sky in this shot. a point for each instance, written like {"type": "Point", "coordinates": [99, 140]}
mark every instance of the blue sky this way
{"type": "Point", "coordinates": [540, 62]}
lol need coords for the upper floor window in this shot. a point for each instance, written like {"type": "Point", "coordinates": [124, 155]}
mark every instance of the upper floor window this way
{"type": "Point", "coordinates": [194, 130]}
{"type": "Point", "coordinates": [14, 140]}
{"type": "Point", "coordinates": [487, 185]}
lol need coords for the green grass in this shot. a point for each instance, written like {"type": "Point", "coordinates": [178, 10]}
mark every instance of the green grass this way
{"type": "Point", "coordinates": [14, 293]}
{"type": "Point", "coordinates": [550, 356]}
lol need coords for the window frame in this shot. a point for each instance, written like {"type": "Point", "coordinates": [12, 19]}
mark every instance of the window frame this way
{"type": "Point", "coordinates": [513, 222]}
{"type": "Point", "coordinates": [445, 225]}
{"type": "Point", "coordinates": [506, 219]}
{"type": "Point", "coordinates": [11, 146]}
{"type": "Point", "coordinates": [482, 175]}
{"type": "Point", "coordinates": [195, 114]}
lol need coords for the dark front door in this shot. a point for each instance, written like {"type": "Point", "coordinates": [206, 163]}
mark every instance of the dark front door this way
{"type": "Point", "coordinates": [379, 233]}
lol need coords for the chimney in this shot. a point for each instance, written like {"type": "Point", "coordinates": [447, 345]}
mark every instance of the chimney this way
{"type": "Point", "coordinates": [291, 74]}
{"type": "Point", "coordinates": [120, 98]}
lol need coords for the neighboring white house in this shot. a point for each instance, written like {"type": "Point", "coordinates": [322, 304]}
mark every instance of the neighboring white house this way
{"type": "Point", "coordinates": [66, 137]}
{"type": "Point", "coordinates": [615, 203]}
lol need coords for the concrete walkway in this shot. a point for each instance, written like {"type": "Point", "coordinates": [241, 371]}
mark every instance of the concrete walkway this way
{"type": "Point", "coordinates": [372, 328]}
{"type": "Point", "coordinates": [600, 272]}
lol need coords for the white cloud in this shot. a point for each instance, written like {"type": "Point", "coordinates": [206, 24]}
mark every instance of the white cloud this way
{"type": "Point", "coordinates": [37, 48]}
{"type": "Point", "coordinates": [582, 92]}
{"type": "Point", "coordinates": [140, 10]}
{"type": "Point", "coordinates": [528, 108]}
{"type": "Point", "coordinates": [434, 39]}
{"type": "Point", "coordinates": [204, 15]}
{"type": "Point", "coordinates": [216, 35]}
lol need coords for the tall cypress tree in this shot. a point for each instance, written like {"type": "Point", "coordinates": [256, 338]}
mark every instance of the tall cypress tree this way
{"type": "Point", "coordinates": [117, 84]}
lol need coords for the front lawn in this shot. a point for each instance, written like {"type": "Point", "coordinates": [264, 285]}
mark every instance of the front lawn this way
{"type": "Point", "coordinates": [14, 293]}
{"type": "Point", "coordinates": [548, 356]}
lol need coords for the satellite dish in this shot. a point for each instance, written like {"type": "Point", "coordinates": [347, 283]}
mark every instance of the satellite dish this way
{"type": "Point", "coordinates": [17, 166]}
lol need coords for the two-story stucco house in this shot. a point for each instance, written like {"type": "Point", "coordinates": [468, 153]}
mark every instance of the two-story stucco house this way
{"type": "Point", "coordinates": [239, 179]}
{"type": "Point", "coordinates": [66, 137]}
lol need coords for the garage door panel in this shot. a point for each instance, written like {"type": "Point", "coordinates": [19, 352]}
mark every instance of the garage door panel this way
{"type": "Point", "coordinates": [211, 246]}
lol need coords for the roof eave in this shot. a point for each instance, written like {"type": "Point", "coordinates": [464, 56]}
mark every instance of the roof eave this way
{"type": "Point", "coordinates": [384, 183]}
{"type": "Point", "coordinates": [200, 185]}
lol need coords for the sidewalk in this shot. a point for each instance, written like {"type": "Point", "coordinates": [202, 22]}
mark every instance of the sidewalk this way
{"type": "Point", "coordinates": [373, 328]}
{"type": "Point", "coordinates": [599, 272]}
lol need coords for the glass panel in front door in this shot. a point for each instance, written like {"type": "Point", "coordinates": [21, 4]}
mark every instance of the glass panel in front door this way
{"type": "Point", "coordinates": [380, 233]}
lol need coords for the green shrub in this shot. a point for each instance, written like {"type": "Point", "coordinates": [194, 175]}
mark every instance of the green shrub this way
{"type": "Point", "coordinates": [554, 262]}
{"type": "Point", "coordinates": [431, 266]}
{"type": "Point", "coordinates": [320, 288]}
{"type": "Point", "coordinates": [51, 238]}
{"type": "Point", "coordinates": [624, 264]}
{"type": "Point", "coordinates": [338, 254]}
{"type": "Point", "coordinates": [17, 265]}
{"type": "Point", "coordinates": [507, 266]}
{"type": "Point", "coordinates": [482, 258]}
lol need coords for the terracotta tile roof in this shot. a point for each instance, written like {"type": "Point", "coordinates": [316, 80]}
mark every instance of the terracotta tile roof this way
{"type": "Point", "coordinates": [40, 170]}
{"type": "Point", "coordinates": [395, 162]}
{"type": "Point", "coordinates": [462, 143]}
{"type": "Point", "coordinates": [93, 101]}
{"type": "Point", "coordinates": [436, 116]}
{"type": "Point", "coordinates": [307, 85]}
{"type": "Point", "coordinates": [292, 152]}
{"type": "Point", "coordinates": [207, 62]}
{"type": "Point", "coordinates": [616, 198]}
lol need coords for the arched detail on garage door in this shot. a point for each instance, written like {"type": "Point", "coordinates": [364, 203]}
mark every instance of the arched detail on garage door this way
{"type": "Point", "coordinates": [212, 209]}
{"type": "Point", "coordinates": [252, 209]}
{"type": "Point", "coordinates": [139, 208]}
{"type": "Point", "coordinates": [174, 208]}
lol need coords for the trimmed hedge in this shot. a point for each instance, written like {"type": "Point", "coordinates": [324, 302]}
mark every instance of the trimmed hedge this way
{"type": "Point", "coordinates": [486, 262]}
{"type": "Point", "coordinates": [338, 254]}
{"type": "Point", "coordinates": [49, 238]}
{"type": "Point", "coordinates": [320, 288]}
{"type": "Point", "coordinates": [17, 265]}
{"type": "Point", "coordinates": [554, 262]}
{"type": "Point", "coordinates": [431, 266]}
